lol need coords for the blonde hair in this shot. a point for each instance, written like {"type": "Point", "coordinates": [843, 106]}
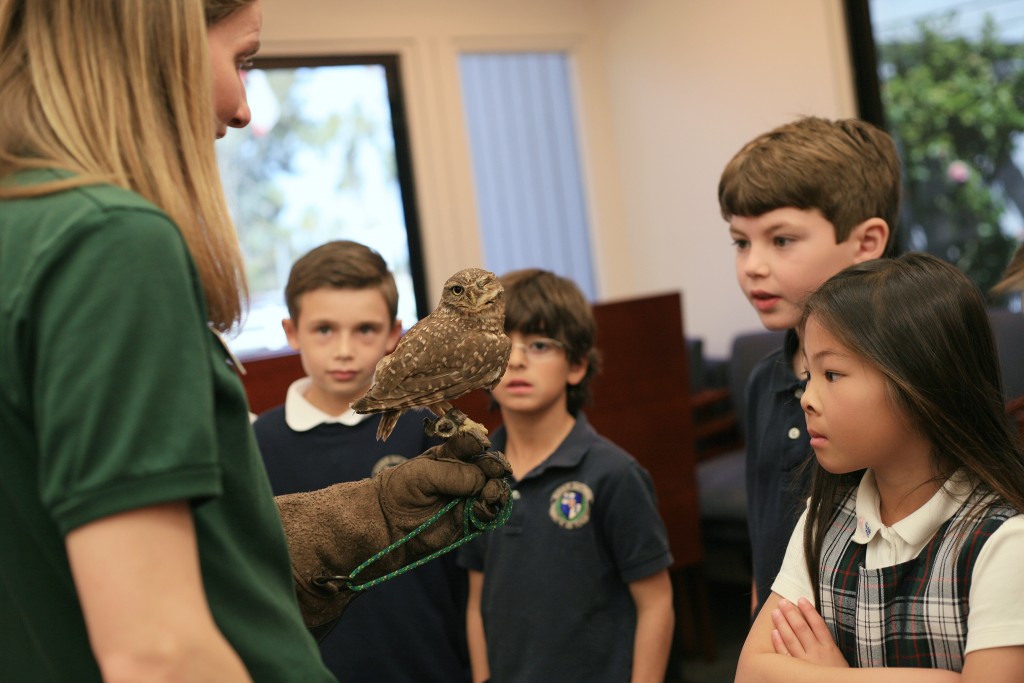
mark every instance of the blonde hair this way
{"type": "Point", "coordinates": [1013, 277]}
{"type": "Point", "coordinates": [119, 92]}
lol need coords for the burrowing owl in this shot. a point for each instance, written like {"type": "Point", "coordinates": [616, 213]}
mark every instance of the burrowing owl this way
{"type": "Point", "coordinates": [459, 347]}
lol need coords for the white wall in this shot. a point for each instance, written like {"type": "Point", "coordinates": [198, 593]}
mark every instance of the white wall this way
{"type": "Point", "coordinates": [667, 91]}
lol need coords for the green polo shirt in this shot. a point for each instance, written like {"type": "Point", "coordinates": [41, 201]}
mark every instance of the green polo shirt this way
{"type": "Point", "coordinates": [115, 395]}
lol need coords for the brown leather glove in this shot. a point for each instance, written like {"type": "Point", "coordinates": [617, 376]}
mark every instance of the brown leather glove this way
{"type": "Point", "coordinates": [334, 530]}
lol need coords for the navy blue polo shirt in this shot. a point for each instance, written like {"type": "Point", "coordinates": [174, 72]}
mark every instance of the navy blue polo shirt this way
{"type": "Point", "coordinates": [556, 603]}
{"type": "Point", "coordinates": [777, 449]}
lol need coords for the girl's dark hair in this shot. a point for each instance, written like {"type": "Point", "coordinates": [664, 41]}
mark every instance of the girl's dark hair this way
{"type": "Point", "coordinates": [922, 323]}
{"type": "Point", "coordinates": [540, 302]}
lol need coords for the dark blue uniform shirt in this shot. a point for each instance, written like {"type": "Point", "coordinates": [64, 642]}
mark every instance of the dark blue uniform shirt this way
{"type": "Point", "coordinates": [556, 604]}
{"type": "Point", "coordinates": [777, 449]}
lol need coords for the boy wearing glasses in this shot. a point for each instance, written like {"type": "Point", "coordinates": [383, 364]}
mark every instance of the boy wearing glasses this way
{"type": "Point", "coordinates": [343, 306]}
{"type": "Point", "coordinates": [575, 585]}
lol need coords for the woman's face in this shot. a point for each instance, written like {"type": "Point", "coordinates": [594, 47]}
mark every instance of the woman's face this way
{"type": "Point", "coordinates": [233, 40]}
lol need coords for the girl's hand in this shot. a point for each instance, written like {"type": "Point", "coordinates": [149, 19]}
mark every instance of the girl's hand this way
{"type": "Point", "coordinates": [801, 632]}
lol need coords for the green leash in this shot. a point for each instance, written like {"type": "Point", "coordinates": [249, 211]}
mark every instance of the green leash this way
{"type": "Point", "coordinates": [470, 521]}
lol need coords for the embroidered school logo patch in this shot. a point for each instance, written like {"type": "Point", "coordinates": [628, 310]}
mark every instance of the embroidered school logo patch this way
{"type": "Point", "coordinates": [570, 505]}
{"type": "Point", "coordinates": [386, 462]}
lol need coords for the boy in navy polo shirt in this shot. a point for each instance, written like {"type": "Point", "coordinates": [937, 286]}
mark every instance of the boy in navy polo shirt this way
{"type": "Point", "coordinates": [343, 306]}
{"type": "Point", "coordinates": [803, 201]}
{"type": "Point", "coordinates": [575, 585]}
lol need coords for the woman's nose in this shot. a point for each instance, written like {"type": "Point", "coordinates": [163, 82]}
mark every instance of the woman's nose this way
{"type": "Point", "coordinates": [243, 116]}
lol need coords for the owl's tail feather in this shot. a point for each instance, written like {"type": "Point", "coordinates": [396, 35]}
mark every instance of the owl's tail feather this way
{"type": "Point", "coordinates": [388, 420]}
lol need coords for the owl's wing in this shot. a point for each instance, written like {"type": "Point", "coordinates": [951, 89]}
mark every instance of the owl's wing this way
{"type": "Point", "coordinates": [440, 372]}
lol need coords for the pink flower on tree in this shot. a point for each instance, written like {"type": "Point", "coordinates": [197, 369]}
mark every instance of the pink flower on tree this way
{"type": "Point", "coordinates": [958, 171]}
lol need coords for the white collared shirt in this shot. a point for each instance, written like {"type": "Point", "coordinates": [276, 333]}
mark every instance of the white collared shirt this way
{"type": "Point", "coordinates": [301, 415]}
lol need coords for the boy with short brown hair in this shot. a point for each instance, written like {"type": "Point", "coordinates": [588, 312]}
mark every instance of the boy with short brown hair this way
{"type": "Point", "coordinates": [804, 201]}
{"type": "Point", "coordinates": [342, 302]}
{"type": "Point", "coordinates": [575, 586]}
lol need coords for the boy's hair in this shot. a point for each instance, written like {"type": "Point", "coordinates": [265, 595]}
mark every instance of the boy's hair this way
{"type": "Point", "coordinates": [847, 169]}
{"type": "Point", "coordinates": [341, 264]}
{"type": "Point", "coordinates": [938, 356]}
{"type": "Point", "coordinates": [118, 91]}
{"type": "Point", "coordinates": [540, 302]}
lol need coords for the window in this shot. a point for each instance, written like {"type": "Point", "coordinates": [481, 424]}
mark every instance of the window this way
{"type": "Point", "coordinates": [946, 78]}
{"type": "Point", "coordinates": [523, 142]}
{"type": "Point", "coordinates": [325, 157]}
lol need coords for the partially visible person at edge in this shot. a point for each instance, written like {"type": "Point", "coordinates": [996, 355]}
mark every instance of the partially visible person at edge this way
{"type": "Point", "coordinates": [1013, 281]}
{"type": "Point", "coordinates": [139, 537]}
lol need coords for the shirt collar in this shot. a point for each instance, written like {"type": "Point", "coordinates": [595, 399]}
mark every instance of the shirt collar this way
{"type": "Point", "coordinates": [568, 454]}
{"type": "Point", "coordinates": [782, 378]}
{"type": "Point", "coordinates": [919, 526]}
{"type": "Point", "coordinates": [301, 415]}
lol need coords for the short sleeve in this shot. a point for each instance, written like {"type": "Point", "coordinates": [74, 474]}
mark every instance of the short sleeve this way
{"type": "Point", "coordinates": [122, 381]}
{"type": "Point", "coordinates": [793, 582]}
{"type": "Point", "coordinates": [471, 555]}
{"type": "Point", "coordinates": [997, 590]}
{"type": "Point", "coordinates": [633, 526]}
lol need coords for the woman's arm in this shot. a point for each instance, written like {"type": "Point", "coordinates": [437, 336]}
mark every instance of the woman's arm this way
{"type": "Point", "coordinates": [475, 629]}
{"type": "Point", "coordinates": [655, 620]}
{"type": "Point", "coordinates": [138, 579]}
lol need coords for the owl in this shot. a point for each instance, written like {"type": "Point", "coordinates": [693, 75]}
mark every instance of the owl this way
{"type": "Point", "coordinates": [459, 347]}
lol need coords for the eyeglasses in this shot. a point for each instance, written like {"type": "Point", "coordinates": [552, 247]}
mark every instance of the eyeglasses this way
{"type": "Point", "coordinates": [540, 348]}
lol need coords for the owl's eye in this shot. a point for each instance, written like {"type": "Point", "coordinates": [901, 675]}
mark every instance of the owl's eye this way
{"type": "Point", "coordinates": [457, 290]}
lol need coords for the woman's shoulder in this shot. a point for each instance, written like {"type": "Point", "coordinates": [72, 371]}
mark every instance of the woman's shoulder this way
{"type": "Point", "coordinates": [77, 202]}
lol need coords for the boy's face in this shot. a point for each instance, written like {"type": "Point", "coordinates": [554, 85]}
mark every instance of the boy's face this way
{"type": "Point", "coordinates": [784, 255]}
{"type": "Point", "coordinates": [340, 335]}
{"type": "Point", "coordinates": [536, 378]}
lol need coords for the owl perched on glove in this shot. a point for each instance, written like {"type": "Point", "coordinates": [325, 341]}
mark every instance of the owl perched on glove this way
{"type": "Point", "coordinates": [459, 347]}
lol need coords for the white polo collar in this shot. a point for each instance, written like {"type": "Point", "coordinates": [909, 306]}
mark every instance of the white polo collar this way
{"type": "Point", "coordinates": [301, 415]}
{"type": "Point", "coordinates": [917, 528]}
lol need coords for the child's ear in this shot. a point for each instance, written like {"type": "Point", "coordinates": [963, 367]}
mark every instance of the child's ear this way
{"type": "Point", "coordinates": [870, 239]}
{"type": "Point", "coordinates": [577, 371]}
{"type": "Point", "coordinates": [394, 335]}
{"type": "Point", "coordinates": [289, 331]}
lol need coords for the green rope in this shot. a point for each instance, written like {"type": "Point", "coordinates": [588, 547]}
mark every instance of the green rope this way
{"type": "Point", "coordinates": [470, 521]}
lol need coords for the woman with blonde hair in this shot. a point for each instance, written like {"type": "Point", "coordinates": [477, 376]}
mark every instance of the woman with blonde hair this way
{"type": "Point", "coordinates": [139, 536]}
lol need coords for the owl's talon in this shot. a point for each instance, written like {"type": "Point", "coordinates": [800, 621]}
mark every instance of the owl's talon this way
{"type": "Point", "coordinates": [443, 427]}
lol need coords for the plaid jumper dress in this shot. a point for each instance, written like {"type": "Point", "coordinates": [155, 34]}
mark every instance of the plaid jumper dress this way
{"type": "Point", "coordinates": [912, 614]}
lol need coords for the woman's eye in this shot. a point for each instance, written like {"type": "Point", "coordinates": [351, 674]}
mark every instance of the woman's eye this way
{"type": "Point", "coordinates": [831, 376]}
